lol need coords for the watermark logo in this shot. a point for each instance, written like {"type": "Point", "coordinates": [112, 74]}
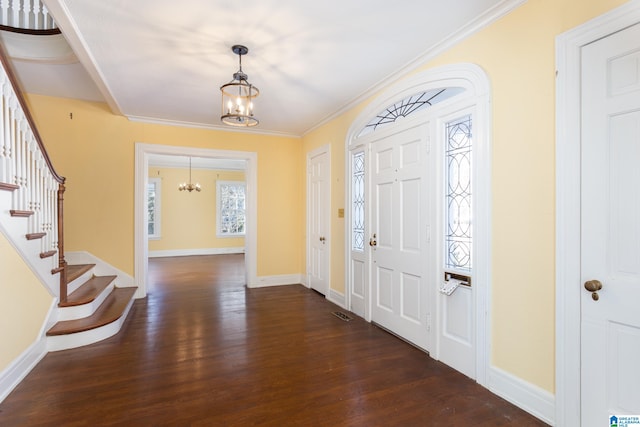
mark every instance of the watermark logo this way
{"type": "Point", "coordinates": [624, 421]}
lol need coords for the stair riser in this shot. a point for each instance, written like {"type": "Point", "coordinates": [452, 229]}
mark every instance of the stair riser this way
{"type": "Point", "coordinates": [84, 310]}
{"type": "Point", "coordinates": [73, 286]}
{"type": "Point", "coordinates": [64, 342]}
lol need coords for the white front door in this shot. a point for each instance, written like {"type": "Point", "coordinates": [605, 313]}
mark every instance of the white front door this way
{"type": "Point", "coordinates": [610, 228]}
{"type": "Point", "coordinates": [318, 220]}
{"type": "Point", "coordinates": [399, 233]}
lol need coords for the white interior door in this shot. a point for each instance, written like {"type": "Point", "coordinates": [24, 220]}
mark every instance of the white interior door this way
{"type": "Point", "coordinates": [399, 233]}
{"type": "Point", "coordinates": [610, 228]}
{"type": "Point", "coordinates": [318, 220]}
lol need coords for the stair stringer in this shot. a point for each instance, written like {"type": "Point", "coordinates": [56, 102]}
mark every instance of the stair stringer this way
{"type": "Point", "coordinates": [15, 229]}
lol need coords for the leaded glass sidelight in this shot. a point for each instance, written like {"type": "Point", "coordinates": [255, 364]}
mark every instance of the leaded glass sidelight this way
{"type": "Point", "coordinates": [357, 201]}
{"type": "Point", "coordinates": [459, 225]}
{"type": "Point", "coordinates": [231, 208]}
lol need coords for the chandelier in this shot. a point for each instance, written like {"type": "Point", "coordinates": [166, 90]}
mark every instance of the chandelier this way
{"type": "Point", "coordinates": [238, 96]}
{"type": "Point", "coordinates": [189, 187]}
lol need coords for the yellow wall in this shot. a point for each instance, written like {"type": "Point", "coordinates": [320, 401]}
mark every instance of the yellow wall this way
{"type": "Point", "coordinates": [517, 52]}
{"type": "Point", "coordinates": [24, 304]}
{"type": "Point", "coordinates": [94, 150]}
{"type": "Point", "coordinates": [188, 220]}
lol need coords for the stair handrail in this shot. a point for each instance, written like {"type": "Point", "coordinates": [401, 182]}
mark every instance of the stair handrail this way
{"type": "Point", "coordinates": [27, 16]}
{"type": "Point", "coordinates": [26, 165]}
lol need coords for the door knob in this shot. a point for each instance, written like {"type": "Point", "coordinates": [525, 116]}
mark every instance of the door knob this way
{"type": "Point", "coordinates": [322, 239]}
{"type": "Point", "coordinates": [372, 241]}
{"type": "Point", "coordinates": [593, 286]}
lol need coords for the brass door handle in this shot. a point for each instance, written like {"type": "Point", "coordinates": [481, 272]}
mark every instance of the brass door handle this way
{"type": "Point", "coordinates": [372, 241]}
{"type": "Point", "coordinates": [322, 239]}
{"type": "Point", "coordinates": [593, 286]}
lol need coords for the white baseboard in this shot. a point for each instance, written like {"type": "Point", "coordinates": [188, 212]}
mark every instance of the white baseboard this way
{"type": "Point", "coordinates": [531, 398]}
{"type": "Point", "coordinates": [190, 252]}
{"type": "Point", "coordinates": [279, 280]}
{"type": "Point", "coordinates": [102, 267]}
{"type": "Point", "coordinates": [11, 376]}
{"type": "Point", "coordinates": [337, 298]}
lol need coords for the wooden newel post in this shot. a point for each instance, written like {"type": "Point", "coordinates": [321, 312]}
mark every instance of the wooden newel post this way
{"type": "Point", "coordinates": [62, 263]}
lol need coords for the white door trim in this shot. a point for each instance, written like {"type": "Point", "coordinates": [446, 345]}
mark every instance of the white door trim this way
{"type": "Point", "coordinates": [472, 78]}
{"type": "Point", "coordinates": [325, 149]}
{"type": "Point", "coordinates": [141, 246]}
{"type": "Point", "coordinates": [568, 286]}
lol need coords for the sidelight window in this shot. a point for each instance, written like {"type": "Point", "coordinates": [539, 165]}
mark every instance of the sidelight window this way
{"type": "Point", "coordinates": [458, 186]}
{"type": "Point", "coordinates": [357, 202]}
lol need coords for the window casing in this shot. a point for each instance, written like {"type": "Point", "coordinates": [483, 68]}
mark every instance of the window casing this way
{"type": "Point", "coordinates": [230, 208]}
{"type": "Point", "coordinates": [154, 190]}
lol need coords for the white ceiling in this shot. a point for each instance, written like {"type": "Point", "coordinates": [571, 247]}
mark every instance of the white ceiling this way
{"type": "Point", "coordinates": [164, 60]}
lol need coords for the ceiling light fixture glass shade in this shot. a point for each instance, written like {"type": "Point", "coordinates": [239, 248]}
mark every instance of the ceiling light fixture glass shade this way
{"type": "Point", "coordinates": [238, 95]}
{"type": "Point", "coordinates": [189, 187]}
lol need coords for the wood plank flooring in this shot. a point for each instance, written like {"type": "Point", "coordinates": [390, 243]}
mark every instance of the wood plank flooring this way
{"type": "Point", "coordinates": [203, 350]}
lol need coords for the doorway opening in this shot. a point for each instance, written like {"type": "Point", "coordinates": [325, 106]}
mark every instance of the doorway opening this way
{"type": "Point", "coordinates": [142, 157]}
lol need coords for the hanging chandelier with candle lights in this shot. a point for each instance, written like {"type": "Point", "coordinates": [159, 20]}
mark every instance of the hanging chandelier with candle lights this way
{"type": "Point", "coordinates": [189, 187]}
{"type": "Point", "coordinates": [238, 96]}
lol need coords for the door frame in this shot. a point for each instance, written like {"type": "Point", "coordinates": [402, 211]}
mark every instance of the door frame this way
{"type": "Point", "coordinates": [141, 243]}
{"type": "Point", "coordinates": [325, 149]}
{"type": "Point", "coordinates": [477, 89]}
{"type": "Point", "coordinates": [568, 141]}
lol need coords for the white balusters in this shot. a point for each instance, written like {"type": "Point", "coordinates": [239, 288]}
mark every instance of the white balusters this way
{"type": "Point", "coordinates": [23, 163]}
{"type": "Point", "coordinates": [26, 14]}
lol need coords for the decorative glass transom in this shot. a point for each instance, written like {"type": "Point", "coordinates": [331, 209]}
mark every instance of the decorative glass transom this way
{"type": "Point", "coordinates": [231, 208]}
{"type": "Point", "coordinates": [408, 106]}
{"type": "Point", "coordinates": [458, 226]}
{"type": "Point", "coordinates": [357, 201]}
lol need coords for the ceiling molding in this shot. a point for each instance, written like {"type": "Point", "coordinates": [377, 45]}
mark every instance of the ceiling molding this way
{"type": "Point", "coordinates": [220, 127]}
{"type": "Point", "coordinates": [471, 28]}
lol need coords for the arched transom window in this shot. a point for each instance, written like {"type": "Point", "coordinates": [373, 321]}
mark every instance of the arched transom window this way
{"type": "Point", "coordinates": [408, 106]}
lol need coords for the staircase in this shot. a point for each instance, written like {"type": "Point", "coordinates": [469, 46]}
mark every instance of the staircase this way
{"type": "Point", "coordinates": [95, 309]}
{"type": "Point", "coordinates": [90, 307]}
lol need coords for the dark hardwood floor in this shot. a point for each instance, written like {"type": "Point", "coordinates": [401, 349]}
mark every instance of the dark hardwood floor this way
{"type": "Point", "coordinates": [204, 350]}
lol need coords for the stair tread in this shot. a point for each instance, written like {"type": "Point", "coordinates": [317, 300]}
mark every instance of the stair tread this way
{"type": "Point", "coordinates": [48, 254]}
{"type": "Point", "coordinates": [76, 270]}
{"type": "Point", "coordinates": [19, 213]}
{"type": "Point", "coordinates": [89, 291]}
{"type": "Point", "coordinates": [34, 236]}
{"type": "Point", "coordinates": [109, 311]}
{"type": "Point", "coordinates": [8, 187]}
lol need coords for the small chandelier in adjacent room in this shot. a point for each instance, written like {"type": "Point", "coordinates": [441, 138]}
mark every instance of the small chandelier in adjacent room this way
{"type": "Point", "coordinates": [238, 96]}
{"type": "Point", "coordinates": [189, 187]}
